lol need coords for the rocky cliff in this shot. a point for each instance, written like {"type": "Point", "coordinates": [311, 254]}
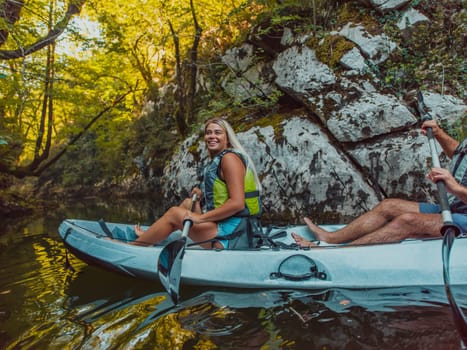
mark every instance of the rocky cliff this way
{"type": "Point", "coordinates": [349, 145]}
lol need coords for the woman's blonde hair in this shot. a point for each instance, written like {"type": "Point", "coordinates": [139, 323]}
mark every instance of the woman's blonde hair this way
{"type": "Point", "coordinates": [235, 144]}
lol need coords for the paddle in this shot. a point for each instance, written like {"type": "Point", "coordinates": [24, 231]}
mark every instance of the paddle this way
{"type": "Point", "coordinates": [449, 229]}
{"type": "Point", "coordinates": [169, 265]}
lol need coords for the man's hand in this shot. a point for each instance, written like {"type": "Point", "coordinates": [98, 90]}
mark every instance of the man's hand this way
{"type": "Point", "coordinates": [433, 125]}
{"type": "Point", "coordinates": [448, 144]}
{"type": "Point", "coordinates": [437, 174]}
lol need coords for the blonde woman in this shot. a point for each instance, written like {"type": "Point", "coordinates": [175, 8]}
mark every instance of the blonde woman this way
{"type": "Point", "coordinates": [231, 193]}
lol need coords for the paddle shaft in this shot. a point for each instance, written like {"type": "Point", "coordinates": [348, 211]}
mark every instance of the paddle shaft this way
{"type": "Point", "coordinates": [187, 223]}
{"type": "Point", "coordinates": [449, 231]}
{"type": "Point", "coordinates": [169, 263]}
{"type": "Point", "coordinates": [443, 197]}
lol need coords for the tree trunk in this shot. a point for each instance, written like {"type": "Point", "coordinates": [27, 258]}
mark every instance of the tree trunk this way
{"type": "Point", "coordinates": [10, 12]}
{"type": "Point", "coordinates": [180, 92]}
{"type": "Point", "coordinates": [193, 67]}
{"type": "Point", "coordinates": [21, 172]}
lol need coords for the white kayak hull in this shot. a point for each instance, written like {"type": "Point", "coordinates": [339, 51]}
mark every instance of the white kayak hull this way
{"type": "Point", "coordinates": [406, 263]}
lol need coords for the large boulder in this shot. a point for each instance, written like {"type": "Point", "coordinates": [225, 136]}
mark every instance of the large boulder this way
{"type": "Point", "coordinates": [304, 173]}
{"type": "Point", "coordinates": [349, 146]}
{"type": "Point", "coordinates": [370, 115]}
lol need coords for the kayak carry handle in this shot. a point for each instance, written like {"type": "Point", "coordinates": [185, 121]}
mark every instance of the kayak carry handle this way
{"type": "Point", "coordinates": [298, 267]}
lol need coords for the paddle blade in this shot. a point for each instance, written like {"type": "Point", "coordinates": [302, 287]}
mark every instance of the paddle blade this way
{"type": "Point", "coordinates": [169, 267]}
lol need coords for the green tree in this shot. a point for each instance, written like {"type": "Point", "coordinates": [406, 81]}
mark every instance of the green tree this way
{"type": "Point", "coordinates": [51, 96]}
{"type": "Point", "coordinates": [57, 83]}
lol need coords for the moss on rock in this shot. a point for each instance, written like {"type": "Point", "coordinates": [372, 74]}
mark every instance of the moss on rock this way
{"type": "Point", "coordinates": [332, 48]}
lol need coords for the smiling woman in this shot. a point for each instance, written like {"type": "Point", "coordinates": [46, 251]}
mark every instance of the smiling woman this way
{"type": "Point", "coordinates": [231, 194]}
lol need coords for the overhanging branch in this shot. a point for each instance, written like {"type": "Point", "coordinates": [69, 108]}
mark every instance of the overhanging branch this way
{"type": "Point", "coordinates": [74, 7]}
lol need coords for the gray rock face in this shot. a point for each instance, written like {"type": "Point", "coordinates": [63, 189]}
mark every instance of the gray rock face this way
{"type": "Point", "coordinates": [305, 172]}
{"type": "Point", "coordinates": [354, 60]}
{"type": "Point", "coordinates": [398, 164]}
{"type": "Point", "coordinates": [298, 70]}
{"type": "Point", "coordinates": [384, 6]}
{"type": "Point", "coordinates": [239, 59]}
{"type": "Point", "coordinates": [246, 79]}
{"type": "Point", "coordinates": [371, 115]}
{"type": "Point", "coordinates": [410, 18]}
{"type": "Point", "coordinates": [375, 47]}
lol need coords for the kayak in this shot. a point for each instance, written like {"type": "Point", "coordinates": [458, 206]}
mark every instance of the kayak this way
{"type": "Point", "coordinates": [410, 262]}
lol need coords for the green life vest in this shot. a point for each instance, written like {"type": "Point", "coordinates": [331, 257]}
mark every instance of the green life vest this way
{"type": "Point", "coordinates": [216, 192]}
{"type": "Point", "coordinates": [459, 171]}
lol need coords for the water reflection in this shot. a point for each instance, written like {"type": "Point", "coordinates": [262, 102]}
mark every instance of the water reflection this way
{"type": "Point", "coordinates": [45, 306]}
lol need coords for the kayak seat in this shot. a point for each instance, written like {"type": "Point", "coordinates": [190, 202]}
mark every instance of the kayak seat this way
{"type": "Point", "coordinates": [105, 228]}
{"type": "Point", "coordinates": [128, 235]}
{"type": "Point", "coordinates": [249, 234]}
{"type": "Point", "coordinates": [245, 236]}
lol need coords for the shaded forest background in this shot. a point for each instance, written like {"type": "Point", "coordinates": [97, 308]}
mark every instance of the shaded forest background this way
{"type": "Point", "coordinates": [95, 95]}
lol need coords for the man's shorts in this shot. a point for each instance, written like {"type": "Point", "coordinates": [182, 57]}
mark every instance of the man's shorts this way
{"type": "Point", "coordinates": [458, 218]}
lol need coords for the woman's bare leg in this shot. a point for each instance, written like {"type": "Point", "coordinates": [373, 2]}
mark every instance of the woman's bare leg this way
{"type": "Point", "coordinates": [173, 220]}
{"type": "Point", "coordinates": [203, 232]}
{"type": "Point", "coordinates": [185, 204]}
{"type": "Point", "coordinates": [161, 229]}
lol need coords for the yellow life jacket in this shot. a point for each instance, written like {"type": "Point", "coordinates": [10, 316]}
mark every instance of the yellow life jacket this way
{"type": "Point", "coordinates": [216, 192]}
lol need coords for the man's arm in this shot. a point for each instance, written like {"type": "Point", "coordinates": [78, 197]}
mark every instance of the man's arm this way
{"type": "Point", "coordinates": [447, 143]}
{"type": "Point", "coordinates": [461, 193]}
{"type": "Point", "coordinates": [452, 186]}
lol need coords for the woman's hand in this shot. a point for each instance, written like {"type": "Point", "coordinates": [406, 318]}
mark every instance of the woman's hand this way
{"type": "Point", "coordinates": [194, 217]}
{"type": "Point", "coordinates": [196, 191]}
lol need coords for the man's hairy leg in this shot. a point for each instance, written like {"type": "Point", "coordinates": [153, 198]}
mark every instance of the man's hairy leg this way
{"type": "Point", "coordinates": [408, 225]}
{"type": "Point", "coordinates": [367, 223]}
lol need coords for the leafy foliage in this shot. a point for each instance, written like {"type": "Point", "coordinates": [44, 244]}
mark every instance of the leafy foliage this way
{"type": "Point", "coordinates": [131, 51]}
{"type": "Point", "coordinates": [135, 42]}
{"type": "Point", "coordinates": [432, 54]}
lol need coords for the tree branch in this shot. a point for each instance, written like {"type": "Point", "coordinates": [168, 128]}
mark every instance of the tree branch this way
{"type": "Point", "coordinates": [194, 66]}
{"type": "Point", "coordinates": [21, 172]}
{"type": "Point", "coordinates": [10, 12]}
{"type": "Point", "coordinates": [75, 138]}
{"type": "Point", "coordinates": [74, 7]}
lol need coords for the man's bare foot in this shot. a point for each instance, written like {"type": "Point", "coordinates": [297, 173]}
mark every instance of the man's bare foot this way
{"type": "Point", "coordinates": [302, 242]}
{"type": "Point", "coordinates": [138, 230]}
{"type": "Point", "coordinates": [318, 232]}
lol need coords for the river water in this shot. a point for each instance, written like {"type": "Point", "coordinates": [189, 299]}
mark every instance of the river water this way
{"type": "Point", "coordinates": [44, 305]}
